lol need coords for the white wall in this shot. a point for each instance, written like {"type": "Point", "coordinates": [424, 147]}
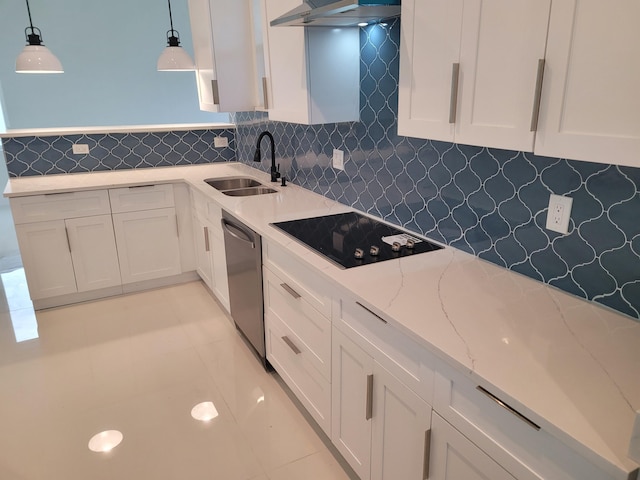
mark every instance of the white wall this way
{"type": "Point", "coordinates": [109, 51]}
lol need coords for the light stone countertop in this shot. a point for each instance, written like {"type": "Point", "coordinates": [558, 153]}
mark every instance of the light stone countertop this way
{"type": "Point", "coordinates": [570, 365]}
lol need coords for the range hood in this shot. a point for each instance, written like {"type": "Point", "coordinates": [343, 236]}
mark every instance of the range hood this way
{"type": "Point", "coordinates": [338, 13]}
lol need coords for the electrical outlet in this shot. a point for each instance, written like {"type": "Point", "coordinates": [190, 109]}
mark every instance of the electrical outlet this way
{"type": "Point", "coordinates": [634, 444]}
{"type": "Point", "coordinates": [80, 148]}
{"type": "Point", "coordinates": [559, 213]}
{"type": "Point", "coordinates": [220, 142]}
{"type": "Point", "coordinates": [338, 159]}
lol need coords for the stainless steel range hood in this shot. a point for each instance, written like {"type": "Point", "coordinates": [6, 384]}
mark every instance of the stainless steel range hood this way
{"type": "Point", "coordinates": [338, 13]}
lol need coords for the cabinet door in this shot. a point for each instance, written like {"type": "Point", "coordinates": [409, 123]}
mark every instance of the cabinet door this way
{"type": "Point", "coordinates": [351, 403]}
{"type": "Point", "coordinates": [148, 246]}
{"type": "Point", "coordinates": [401, 430]}
{"type": "Point", "coordinates": [185, 227]}
{"type": "Point", "coordinates": [429, 48]}
{"type": "Point", "coordinates": [94, 254]}
{"type": "Point", "coordinates": [219, 266]}
{"type": "Point", "coordinates": [502, 43]}
{"type": "Point", "coordinates": [454, 457]}
{"type": "Point", "coordinates": [590, 107]}
{"type": "Point", "coordinates": [313, 73]}
{"type": "Point", "coordinates": [202, 241]}
{"type": "Point", "coordinates": [44, 247]}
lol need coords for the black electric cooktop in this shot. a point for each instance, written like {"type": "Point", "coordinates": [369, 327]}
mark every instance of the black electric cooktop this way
{"type": "Point", "coordinates": [346, 236]}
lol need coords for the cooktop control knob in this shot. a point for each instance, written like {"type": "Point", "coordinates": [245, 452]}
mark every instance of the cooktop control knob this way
{"type": "Point", "coordinates": [374, 251]}
{"type": "Point", "coordinates": [396, 246]}
{"type": "Point", "coordinates": [359, 253]}
{"type": "Point", "coordinates": [410, 244]}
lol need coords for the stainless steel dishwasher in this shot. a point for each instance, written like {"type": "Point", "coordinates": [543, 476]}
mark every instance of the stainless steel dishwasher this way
{"type": "Point", "coordinates": [244, 270]}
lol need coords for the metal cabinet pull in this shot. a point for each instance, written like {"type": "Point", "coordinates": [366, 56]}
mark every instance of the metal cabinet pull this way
{"type": "Point", "coordinates": [141, 186]}
{"type": "Point", "coordinates": [508, 408]}
{"type": "Point", "coordinates": [291, 345]}
{"type": "Point", "coordinates": [66, 232]}
{"type": "Point", "coordinates": [206, 238]}
{"type": "Point", "coordinates": [427, 454]}
{"type": "Point", "coordinates": [372, 313]}
{"type": "Point", "coordinates": [535, 115]}
{"type": "Point", "coordinates": [177, 227]}
{"type": "Point", "coordinates": [215, 92]}
{"type": "Point", "coordinates": [290, 290]}
{"type": "Point", "coordinates": [264, 93]}
{"type": "Point", "coordinates": [453, 105]}
{"type": "Point", "coordinates": [369, 406]}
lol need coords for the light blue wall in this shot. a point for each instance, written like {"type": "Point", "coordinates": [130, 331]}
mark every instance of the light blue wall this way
{"type": "Point", "coordinates": [109, 51]}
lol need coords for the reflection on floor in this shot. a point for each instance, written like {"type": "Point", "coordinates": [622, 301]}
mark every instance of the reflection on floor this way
{"type": "Point", "coordinates": [139, 364]}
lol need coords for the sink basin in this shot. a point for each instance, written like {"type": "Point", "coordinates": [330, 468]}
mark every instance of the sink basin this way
{"type": "Point", "coordinates": [232, 183]}
{"type": "Point", "coordinates": [245, 192]}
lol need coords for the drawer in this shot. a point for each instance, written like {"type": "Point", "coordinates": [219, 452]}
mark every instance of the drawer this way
{"type": "Point", "coordinates": [308, 328]}
{"type": "Point", "coordinates": [58, 206]}
{"type": "Point", "coordinates": [506, 432]}
{"type": "Point", "coordinates": [141, 197]}
{"type": "Point", "coordinates": [306, 282]}
{"type": "Point", "coordinates": [311, 388]}
{"type": "Point", "coordinates": [407, 360]}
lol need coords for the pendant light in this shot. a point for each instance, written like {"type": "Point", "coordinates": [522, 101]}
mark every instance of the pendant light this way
{"type": "Point", "coordinates": [174, 57]}
{"type": "Point", "coordinates": [35, 57]}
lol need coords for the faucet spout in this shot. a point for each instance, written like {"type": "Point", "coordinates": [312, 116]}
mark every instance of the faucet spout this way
{"type": "Point", "coordinates": [257, 156]}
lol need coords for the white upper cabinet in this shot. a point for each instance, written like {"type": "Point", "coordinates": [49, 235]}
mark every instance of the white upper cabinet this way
{"type": "Point", "coordinates": [223, 45]}
{"type": "Point", "coordinates": [590, 107]}
{"type": "Point", "coordinates": [469, 70]}
{"type": "Point", "coordinates": [313, 74]}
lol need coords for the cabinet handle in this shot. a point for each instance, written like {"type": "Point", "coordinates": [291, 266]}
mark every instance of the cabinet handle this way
{"type": "Point", "coordinates": [508, 408]}
{"type": "Point", "coordinates": [66, 232]}
{"type": "Point", "coordinates": [453, 103]}
{"type": "Point", "coordinates": [291, 345]}
{"type": "Point", "coordinates": [264, 93]}
{"type": "Point", "coordinates": [215, 92]}
{"type": "Point", "coordinates": [177, 227]}
{"type": "Point", "coordinates": [427, 454]}
{"type": "Point", "coordinates": [369, 406]}
{"type": "Point", "coordinates": [537, 96]}
{"type": "Point", "coordinates": [141, 186]}
{"type": "Point", "coordinates": [206, 238]}
{"type": "Point", "coordinates": [372, 313]}
{"type": "Point", "coordinates": [291, 291]}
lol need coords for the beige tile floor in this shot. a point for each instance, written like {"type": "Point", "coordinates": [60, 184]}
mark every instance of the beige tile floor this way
{"type": "Point", "coordinates": [138, 364]}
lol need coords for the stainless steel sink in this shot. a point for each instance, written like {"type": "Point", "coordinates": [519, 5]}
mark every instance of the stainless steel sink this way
{"type": "Point", "coordinates": [232, 183]}
{"type": "Point", "coordinates": [245, 192]}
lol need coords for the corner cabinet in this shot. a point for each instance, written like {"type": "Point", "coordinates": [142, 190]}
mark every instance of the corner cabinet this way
{"type": "Point", "coordinates": [223, 43]}
{"type": "Point", "coordinates": [312, 74]}
{"type": "Point", "coordinates": [590, 106]}
{"type": "Point", "coordinates": [469, 70]}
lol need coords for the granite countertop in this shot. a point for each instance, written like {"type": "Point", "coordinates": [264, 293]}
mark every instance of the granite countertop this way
{"type": "Point", "coordinates": [570, 365]}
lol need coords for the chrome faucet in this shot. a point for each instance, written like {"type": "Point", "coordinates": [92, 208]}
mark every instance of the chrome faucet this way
{"type": "Point", "coordinates": [257, 157]}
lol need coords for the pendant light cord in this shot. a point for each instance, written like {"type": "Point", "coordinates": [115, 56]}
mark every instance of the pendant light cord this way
{"type": "Point", "coordinates": [170, 16]}
{"type": "Point", "coordinates": [29, 12]}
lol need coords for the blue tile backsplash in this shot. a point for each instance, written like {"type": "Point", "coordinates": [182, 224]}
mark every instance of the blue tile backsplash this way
{"type": "Point", "coordinates": [27, 156]}
{"type": "Point", "coordinates": [489, 202]}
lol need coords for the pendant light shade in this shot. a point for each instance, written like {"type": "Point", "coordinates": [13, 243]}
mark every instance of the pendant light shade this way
{"type": "Point", "coordinates": [35, 57]}
{"type": "Point", "coordinates": [174, 57]}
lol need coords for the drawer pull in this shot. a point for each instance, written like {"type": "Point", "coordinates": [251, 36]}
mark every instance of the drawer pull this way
{"type": "Point", "coordinates": [373, 313]}
{"type": "Point", "coordinates": [206, 239]}
{"type": "Point", "coordinates": [291, 345]}
{"type": "Point", "coordinates": [66, 232]}
{"type": "Point", "coordinates": [291, 291]}
{"type": "Point", "coordinates": [427, 454]}
{"type": "Point", "coordinates": [537, 95]}
{"type": "Point", "coordinates": [508, 408]}
{"type": "Point", "coordinates": [369, 406]}
{"type": "Point", "coordinates": [141, 186]}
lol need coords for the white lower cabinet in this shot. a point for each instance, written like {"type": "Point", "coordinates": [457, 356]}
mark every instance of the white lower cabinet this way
{"type": "Point", "coordinates": [454, 457]}
{"type": "Point", "coordinates": [380, 426]}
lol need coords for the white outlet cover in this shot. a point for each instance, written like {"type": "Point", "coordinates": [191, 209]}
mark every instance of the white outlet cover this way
{"type": "Point", "coordinates": [634, 444]}
{"type": "Point", "coordinates": [338, 159]}
{"type": "Point", "coordinates": [559, 213]}
{"type": "Point", "coordinates": [220, 142]}
{"type": "Point", "coordinates": [80, 148]}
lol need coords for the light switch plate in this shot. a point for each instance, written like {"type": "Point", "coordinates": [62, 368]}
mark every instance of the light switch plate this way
{"type": "Point", "coordinates": [80, 148]}
{"type": "Point", "coordinates": [634, 444]}
{"type": "Point", "coordinates": [220, 142]}
{"type": "Point", "coordinates": [559, 213]}
{"type": "Point", "coordinates": [338, 159]}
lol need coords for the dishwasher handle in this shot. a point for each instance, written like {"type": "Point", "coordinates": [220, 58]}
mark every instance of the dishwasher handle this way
{"type": "Point", "coordinates": [237, 232]}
